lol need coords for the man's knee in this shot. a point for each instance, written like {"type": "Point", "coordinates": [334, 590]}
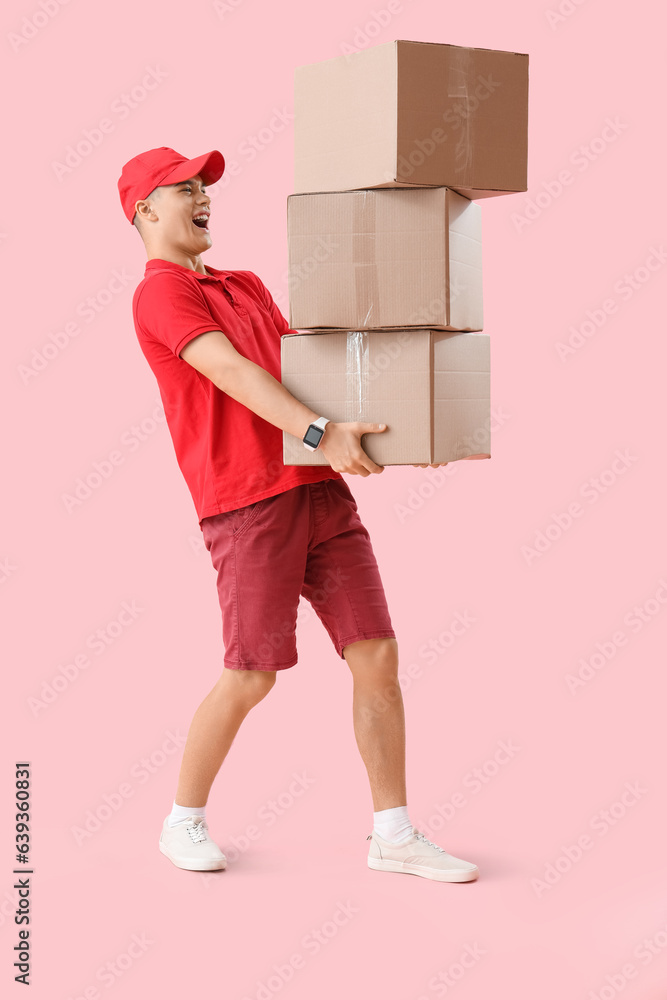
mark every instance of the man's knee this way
{"type": "Point", "coordinates": [251, 685]}
{"type": "Point", "coordinates": [376, 654]}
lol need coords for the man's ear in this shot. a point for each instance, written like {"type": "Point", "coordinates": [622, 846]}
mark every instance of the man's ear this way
{"type": "Point", "coordinates": [143, 209]}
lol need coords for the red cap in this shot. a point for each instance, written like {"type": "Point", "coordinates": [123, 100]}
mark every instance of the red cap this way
{"type": "Point", "coordinates": [143, 173]}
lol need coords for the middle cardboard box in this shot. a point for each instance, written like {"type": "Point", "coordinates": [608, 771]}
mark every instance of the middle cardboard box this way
{"type": "Point", "coordinates": [383, 258]}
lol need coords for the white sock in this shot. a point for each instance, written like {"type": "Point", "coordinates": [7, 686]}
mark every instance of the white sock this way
{"type": "Point", "coordinates": [392, 824]}
{"type": "Point", "coordinates": [179, 813]}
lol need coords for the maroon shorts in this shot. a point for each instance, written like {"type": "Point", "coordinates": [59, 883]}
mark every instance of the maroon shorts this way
{"type": "Point", "coordinates": [310, 541]}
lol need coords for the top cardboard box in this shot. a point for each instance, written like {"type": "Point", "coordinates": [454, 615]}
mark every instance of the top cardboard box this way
{"type": "Point", "coordinates": [408, 114]}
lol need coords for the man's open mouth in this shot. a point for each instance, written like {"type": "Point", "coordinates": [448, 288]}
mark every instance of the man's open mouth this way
{"type": "Point", "coordinates": [201, 221]}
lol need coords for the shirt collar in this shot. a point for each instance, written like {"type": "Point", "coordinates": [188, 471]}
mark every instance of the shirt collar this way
{"type": "Point", "coordinates": [157, 264]}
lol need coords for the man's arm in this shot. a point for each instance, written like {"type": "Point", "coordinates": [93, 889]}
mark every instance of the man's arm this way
{"type": "Point", "coordinates": [215, 356]}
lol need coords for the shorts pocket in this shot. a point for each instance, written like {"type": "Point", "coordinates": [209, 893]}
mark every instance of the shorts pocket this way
{"type": "Point", "coordinates": [241, 518]}
{"type": "Point", "coordinates": [341, 487]}
{"type": "Point", "coordinates": [230, 522]}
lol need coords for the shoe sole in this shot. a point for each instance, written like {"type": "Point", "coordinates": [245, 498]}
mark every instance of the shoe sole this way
{"type": "Point", "coordinates": [453, 875]}
{"type": "Point", "coordinates": [192, 865]}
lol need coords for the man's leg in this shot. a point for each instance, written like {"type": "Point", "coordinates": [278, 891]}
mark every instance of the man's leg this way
{"type": "Point", "coordinates": [214, 727]}
{"type": "Point", "coordinates": [379, 726]}
{"type": "Point", "coordinates": [379, 719]}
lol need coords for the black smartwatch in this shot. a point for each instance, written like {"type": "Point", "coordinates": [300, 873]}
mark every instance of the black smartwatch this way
{"type": "Point", "coordinates": [314, 434]}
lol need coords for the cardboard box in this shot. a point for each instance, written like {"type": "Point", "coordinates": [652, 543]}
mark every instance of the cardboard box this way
{"type": "Point", "coordinates": [413, 113]}
{"type": "Point", "coordinates": [431, 388]}
{"type": "Point", "coordinates": [385, 258]}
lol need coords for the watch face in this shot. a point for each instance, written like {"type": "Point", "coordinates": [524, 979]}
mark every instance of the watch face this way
{"type": "Point", "coordinates": [313, 436]}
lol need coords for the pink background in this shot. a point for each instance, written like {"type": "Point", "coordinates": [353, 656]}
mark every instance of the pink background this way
{"type": "Point", "coordinates": [574, 753]}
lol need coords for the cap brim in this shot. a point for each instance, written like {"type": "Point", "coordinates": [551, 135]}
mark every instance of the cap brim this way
{"type": "Point", "coordinates": [211, 167]}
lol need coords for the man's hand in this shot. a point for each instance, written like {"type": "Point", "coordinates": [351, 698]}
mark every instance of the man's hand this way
{"type": "Point", "coordinates": [341, 446]}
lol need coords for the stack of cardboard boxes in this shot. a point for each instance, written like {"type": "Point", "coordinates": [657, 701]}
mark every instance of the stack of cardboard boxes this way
{"type": "Point", "coordinates": [392, 147]}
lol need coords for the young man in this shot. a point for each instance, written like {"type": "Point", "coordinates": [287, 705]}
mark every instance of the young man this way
{"type": "Point", "coordinates": [274, 532]}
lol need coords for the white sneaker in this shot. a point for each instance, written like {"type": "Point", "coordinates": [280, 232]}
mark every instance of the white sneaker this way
{"type": "Point", "coordinates": [188, 845]}
{"type": "Point", "coordinates": [418, 856]}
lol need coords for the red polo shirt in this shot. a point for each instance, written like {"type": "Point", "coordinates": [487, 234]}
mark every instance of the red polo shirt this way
{"type": "Point", "coordinates": [229, 456]}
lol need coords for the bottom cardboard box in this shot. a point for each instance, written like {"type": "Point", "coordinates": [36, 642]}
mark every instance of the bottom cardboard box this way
{"type": "Point", "coordinates": [431, 388]}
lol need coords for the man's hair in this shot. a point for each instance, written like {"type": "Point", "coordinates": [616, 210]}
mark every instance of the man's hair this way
{"type": "Point", "coordinates": [153, 196]}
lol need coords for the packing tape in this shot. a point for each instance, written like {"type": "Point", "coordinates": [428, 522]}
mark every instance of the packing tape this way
{"type": "Point", "coordinates": [363, 256]}
{"type": "Point", "coordinates": [459, 80]}
{"type": "Point", "coordinates": [356, 371]}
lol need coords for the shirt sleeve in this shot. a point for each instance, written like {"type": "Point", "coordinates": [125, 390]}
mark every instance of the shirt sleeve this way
{"type": "Point", "coordinates": [281, 323]}
{"type": "Point", "coordinates": [173, 311]}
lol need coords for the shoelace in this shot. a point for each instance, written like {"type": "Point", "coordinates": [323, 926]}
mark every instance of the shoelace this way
{"type": "Point", "coordinates": [420, 836]}
{"type": "Point", "coordinates": [197, 831]}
